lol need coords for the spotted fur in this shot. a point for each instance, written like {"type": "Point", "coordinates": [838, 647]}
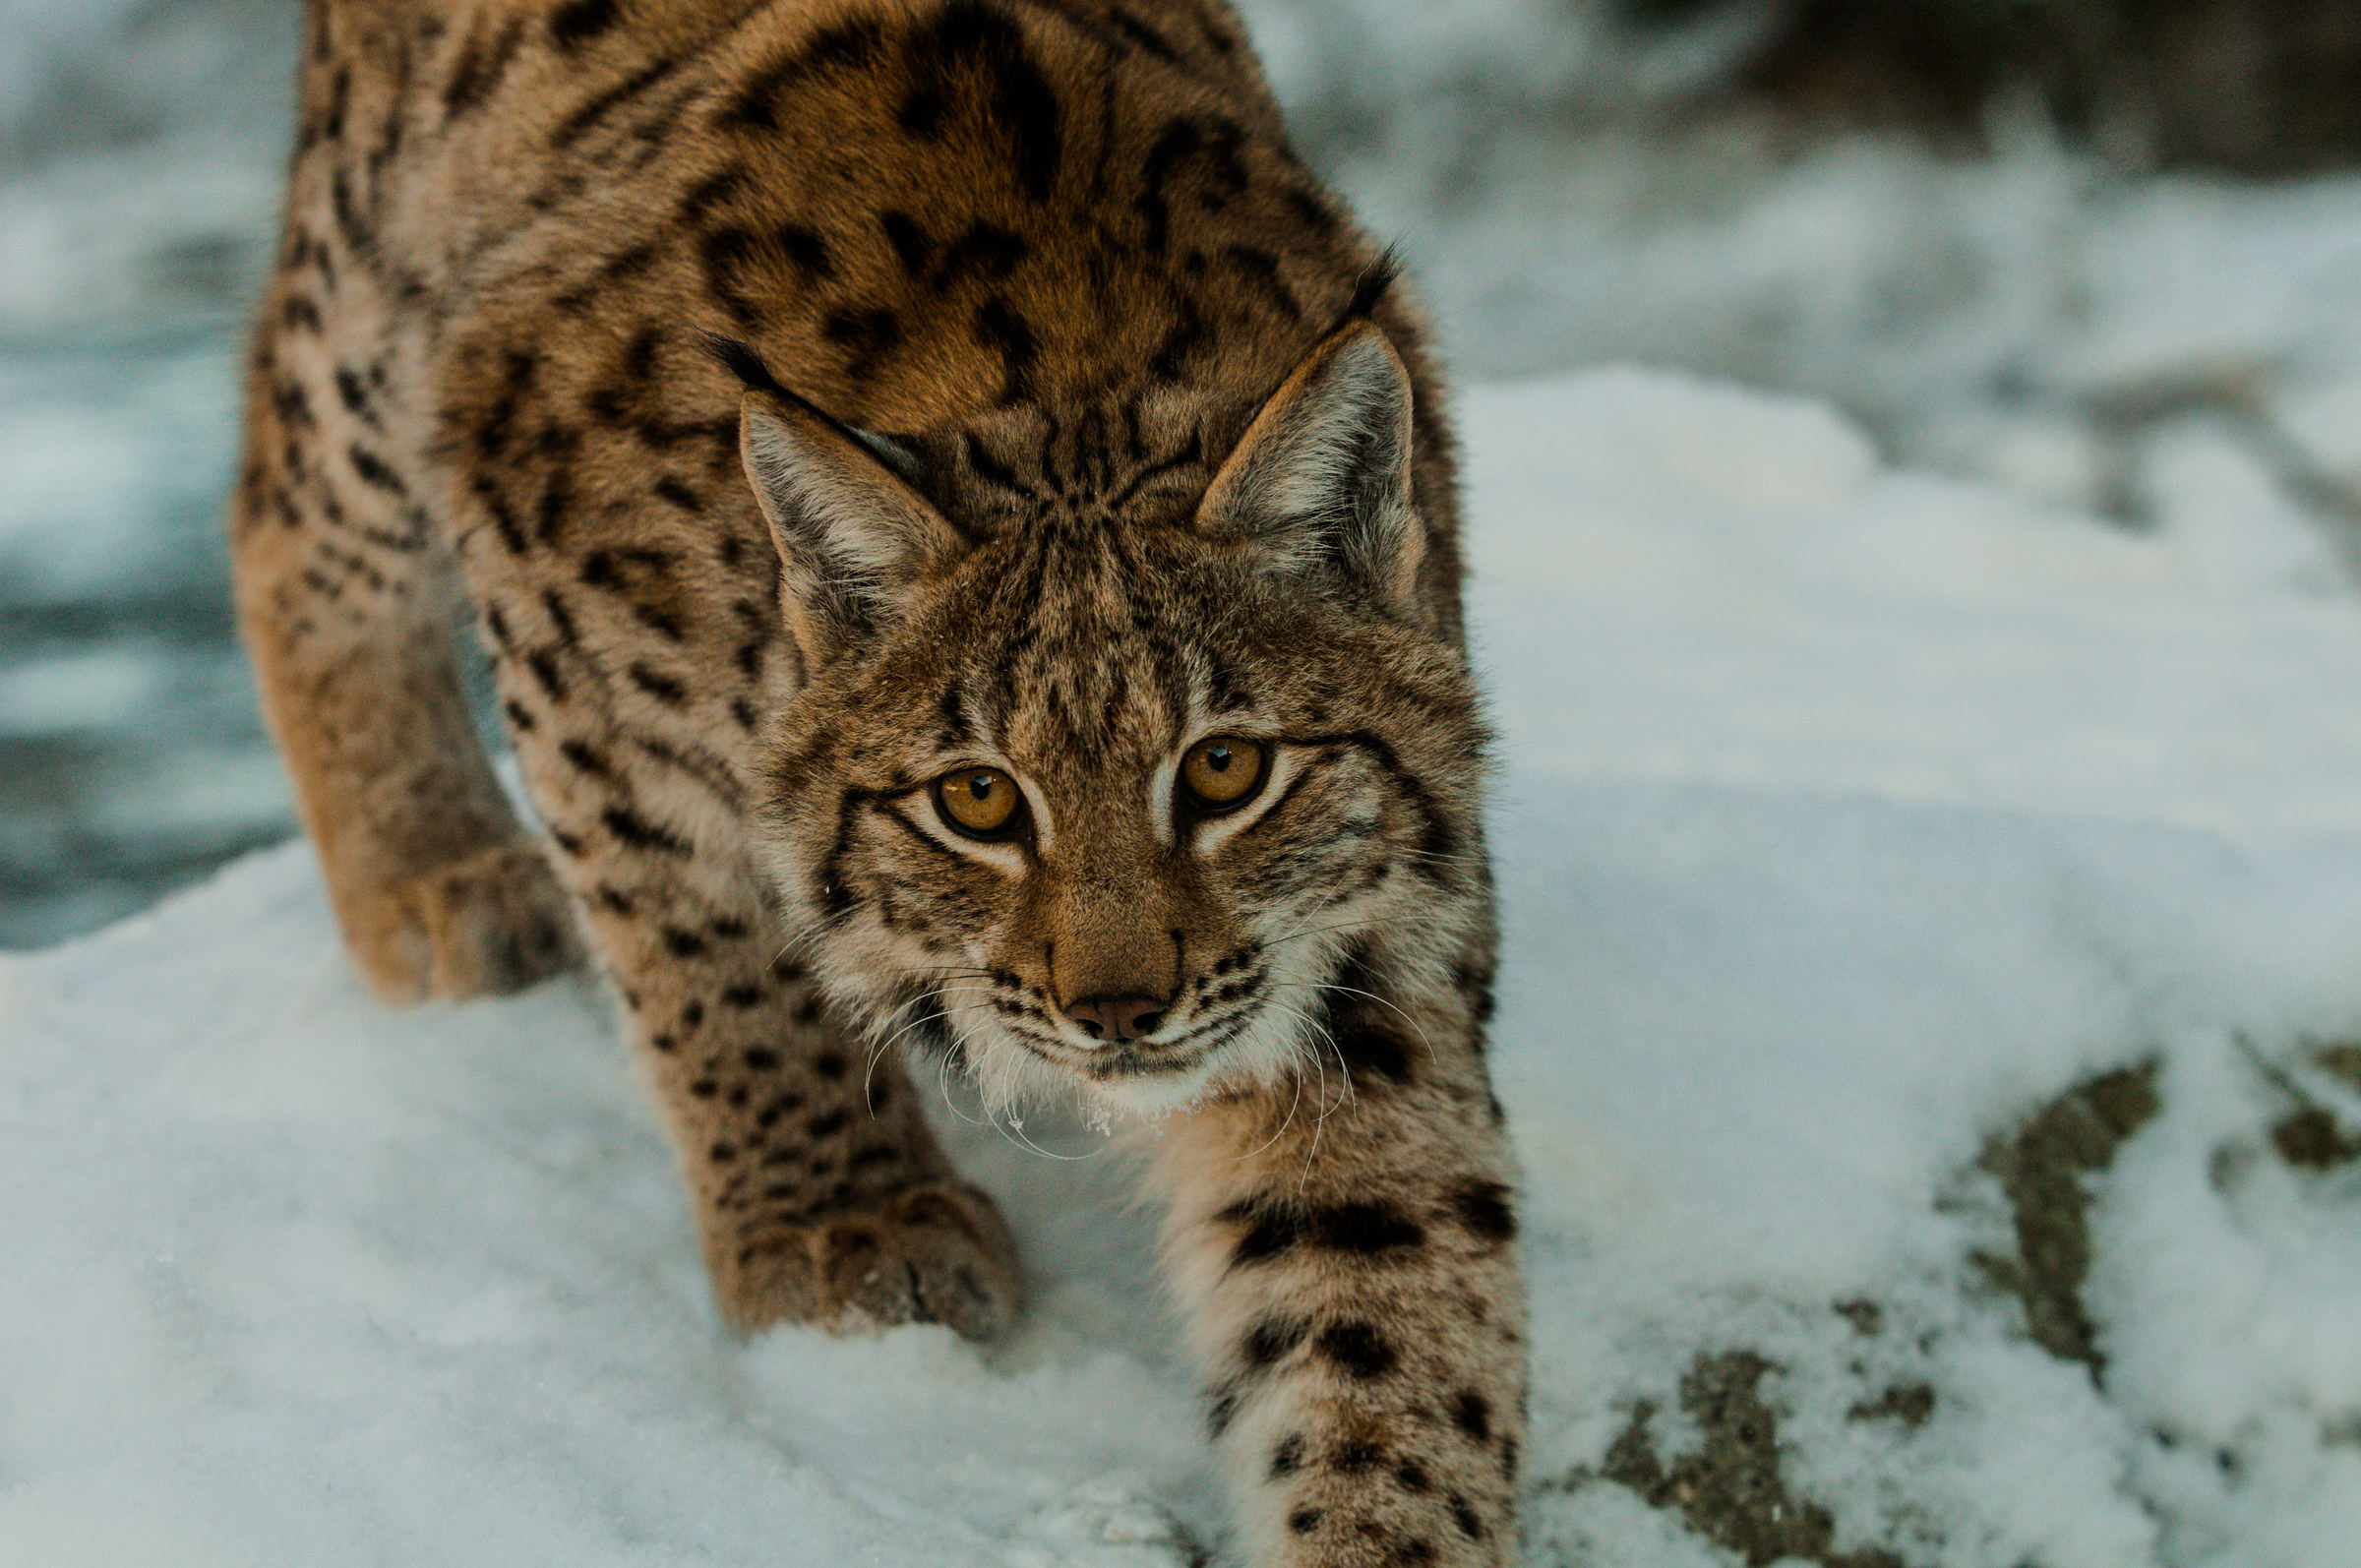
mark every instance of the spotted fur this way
{"type": "Point", "coordinates": [810, 400]}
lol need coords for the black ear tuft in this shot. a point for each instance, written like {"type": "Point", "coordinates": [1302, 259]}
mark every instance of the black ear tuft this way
{"type": "Point", "coordinates": [741, 361]}
{"type": "Point", "coordinates": [1369, 292]}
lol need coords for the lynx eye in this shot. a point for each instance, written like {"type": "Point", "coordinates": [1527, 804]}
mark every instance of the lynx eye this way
{"type": "Point", "coordinates": [978, 803]}
{"type": "Point", "coordinates": [1222, 773]}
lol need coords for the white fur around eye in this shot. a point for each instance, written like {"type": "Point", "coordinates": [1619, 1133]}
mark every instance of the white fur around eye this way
{"type": "Point", "coordinates": [1284, 763]}
{"type": "Point", "coordinates": [1162, 784]}
{"type": "Point", "coordinates": [1005, 856]}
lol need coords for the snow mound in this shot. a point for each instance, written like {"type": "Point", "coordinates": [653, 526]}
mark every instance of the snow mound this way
{"type": "Point", "coordinates": [1932, 923]}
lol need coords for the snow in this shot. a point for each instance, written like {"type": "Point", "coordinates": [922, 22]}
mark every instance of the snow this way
{"type": "Point", "coordinates": [1848, 816]}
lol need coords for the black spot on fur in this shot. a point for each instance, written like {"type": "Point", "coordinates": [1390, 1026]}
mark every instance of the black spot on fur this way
{"type": "Point", "coordinates": [842, 46]}
{"type": "Point", "coordinates": [1304, 1520]}
{"type": "Point", "coordinates": [1355, 1458]}
{"type": "Point", "coordinates": [825, 1126]}
{"type": "Point", "coordinates": [1371, 1051]}
{"type": "Point", "coordinates": [1269, 1340]}
{"type": "Point", "coordinates": [986, 251]}
{"type": "Point", "coordinates": [1143, 36]}
{"type": "Point", "coordinates": [680, 495]}
{"type": "Point", "coordinates": [1261, 269]}
{"type": "Point", "coordinates": [579, 20]}
{"type": "Point", "coordinates": [1182, 339]}
{"type": "Point", "coordinates": [921, 113]}
{"type": "Point", "coordinates": [663, 687]}
{"type": "Point", "coordinates": [972, 43]}
{"type": "Point", "coordinates": [1357, 1348]}
{"type": "Point", "coordinates": [374, 471]}
{"type": "Point", "coordinates": [710, 192]}
{"type": "Point", "coordinates": [1412, 1477]}
{"type": "Point", "coordinates": [354, 392]}
{"type": "Point", "coordinates": [1000, 329]}
{"type": "Point", "coordinates": [1365, 1227]}
{"type": "Point", "coordinates": [1180, 137]}
{"type": "Point", "coordinates": [1362, 1230]}
{"type": "Point", "coordinates": [867, 335]}
{"type": "Point", "coordinates": [722, 252]}
{"type": "Point", "coordinates": [584, 756]}
{"type": "Point", "coordinates": [544, 667]}
{"type": "Point", "coordinates": [911, 247]}
{"type": "Point", "coordinates": [1271, 1229]}
{"type": "Point", "coordinates": [1288, 1456]}
{"type": "Point", "coordinates": [1464, 1518]}
{"type": "Point", "coordinates": [808, 250]}
{"type": "Point", "coordinates": [1472, 1414]}
{"type": "Point", "coordinates": [583, 121]}
{"type": "Point", "coordinates": [1483, 1208]}
{"type": "Point", "coordinates": [683, 943]}
{"type": "Point", "coordinates": [479, 70]}
{"type": "Point", "coordinates": [629, 827]}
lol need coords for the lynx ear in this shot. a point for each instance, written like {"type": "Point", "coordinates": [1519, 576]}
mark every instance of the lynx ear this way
{"type": "Point", "coordinates": [853, 537]}
{"type": "Point", "coordinates": [1321, 478]}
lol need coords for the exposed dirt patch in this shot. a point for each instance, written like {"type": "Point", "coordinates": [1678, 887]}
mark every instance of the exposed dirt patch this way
{"type": "Point", "coordinates": [2341, 1060]}
{"type": "Point", "coordinates": [1907, 1402]}
{"type": "Point", "coordinates": [2312, 1139]}
{"type": "Point", "coordinates": [2313, 1136]}
{"type": "Point", "coordinates": [1729, 1491]}
{"type": "Point", "coordinates": [2042, 1167]}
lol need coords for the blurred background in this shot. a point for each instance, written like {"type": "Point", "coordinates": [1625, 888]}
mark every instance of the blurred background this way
{"type": "Point", "coordinates": [2105, 252]}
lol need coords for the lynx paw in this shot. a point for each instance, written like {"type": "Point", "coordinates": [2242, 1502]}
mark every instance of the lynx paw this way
{"type": "Point", "coordinates": [493, 921]}
{"type": "Point", "coordinates": [937, 1253]}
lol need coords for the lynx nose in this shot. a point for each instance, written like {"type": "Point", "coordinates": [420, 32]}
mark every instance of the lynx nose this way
{"type": "Point", "coordinates": [1116, 1017]}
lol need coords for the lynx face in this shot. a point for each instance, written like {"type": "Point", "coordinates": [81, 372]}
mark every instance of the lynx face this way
{"type": "Point", "coordinates": [1106, 771]}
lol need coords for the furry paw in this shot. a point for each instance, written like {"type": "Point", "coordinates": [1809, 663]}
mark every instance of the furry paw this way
{"type": "Point", "coordinates": [937, 1253]}
{"type": "Point", "coordinates": [493, 921]}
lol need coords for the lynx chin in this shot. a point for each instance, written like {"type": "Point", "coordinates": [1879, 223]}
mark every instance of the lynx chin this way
{"type": "Point", "coordinates": [966, 534]}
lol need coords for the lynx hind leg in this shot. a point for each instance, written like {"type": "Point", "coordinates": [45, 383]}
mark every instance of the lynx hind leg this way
{"type": "Point", "coordinates": [348, 607]}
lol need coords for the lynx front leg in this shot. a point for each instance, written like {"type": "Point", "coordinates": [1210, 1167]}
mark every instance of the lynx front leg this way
{"type": "Point", "coordinates": [819, 1191]}
{"type": "Point", "coordinates": [1358, 1310]}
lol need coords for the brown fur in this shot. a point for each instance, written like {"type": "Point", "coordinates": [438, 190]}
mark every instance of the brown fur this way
{"type": "Point", "coordinates": [1160, 458]}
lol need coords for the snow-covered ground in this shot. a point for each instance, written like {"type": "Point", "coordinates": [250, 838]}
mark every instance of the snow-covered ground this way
{"type": "Point", "coordinates": [1931, 922]}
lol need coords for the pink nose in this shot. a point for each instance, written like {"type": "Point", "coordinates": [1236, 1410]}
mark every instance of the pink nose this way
{"type": "Point", "coordinates": [1116, 1017]}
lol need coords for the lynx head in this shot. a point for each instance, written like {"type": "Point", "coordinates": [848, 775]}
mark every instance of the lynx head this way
{"type": "Point", "coordinates": [1126, 737]}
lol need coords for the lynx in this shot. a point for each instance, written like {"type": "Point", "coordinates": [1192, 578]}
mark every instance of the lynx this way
{"type": "Point", "coordinates": [964, 529]}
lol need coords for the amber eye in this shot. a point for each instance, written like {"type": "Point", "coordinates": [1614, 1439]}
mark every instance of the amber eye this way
{"type": "Point", "coordinates": [979, 802]}
{"type": "Point", "coordinates": [1222, 773]}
